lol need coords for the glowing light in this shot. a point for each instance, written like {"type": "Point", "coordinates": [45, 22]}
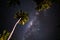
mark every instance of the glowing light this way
{"type": "Point", "coordinates": [37, 13]}
{"type": "Point", "coordinates": [30, 24]}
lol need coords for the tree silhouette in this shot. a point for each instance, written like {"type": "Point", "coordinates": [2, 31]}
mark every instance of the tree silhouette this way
{"type": "Point", "coordinates": [5, 35]}
{"type": "Point", "coordinates": [22, 19]}
{"type": "Point", "coordinates": [20, 15]}
{"type": "Point", "coordinates": [23, 15]}
{"type": "Point", "coordinates": [42, 4]}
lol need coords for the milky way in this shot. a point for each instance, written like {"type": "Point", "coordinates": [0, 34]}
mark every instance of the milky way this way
{"type": "Point", "coordinates": [32, 28]}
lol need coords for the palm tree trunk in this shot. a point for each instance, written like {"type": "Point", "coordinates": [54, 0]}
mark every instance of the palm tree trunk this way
{"type": "Point", "coordinates": [13, 29]}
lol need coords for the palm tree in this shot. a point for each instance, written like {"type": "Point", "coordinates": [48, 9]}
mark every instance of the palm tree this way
{"type": "Point", "coordinates": [22, 19]}
{"type": "Point", "coordinates": [4, 35]}
{"type": "Point", "coordinates": [20, 15]}
{"type": "Point", "coordinates": [42, 4]}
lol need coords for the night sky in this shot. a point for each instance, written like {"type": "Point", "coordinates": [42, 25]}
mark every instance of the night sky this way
{"type": "Point", "coordinates": [44, 26]}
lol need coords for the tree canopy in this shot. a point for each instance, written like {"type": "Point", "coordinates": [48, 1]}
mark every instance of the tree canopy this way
{"type": "Point", "coordinates": [23, 15]}
{"type": "Point", "coordinates": [5, 35]}
{"type": "Point", "coordinates": [44, 4]}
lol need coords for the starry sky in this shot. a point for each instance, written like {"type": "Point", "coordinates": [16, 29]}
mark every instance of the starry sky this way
{"type": "Point", "coordinates": [42, 25]}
